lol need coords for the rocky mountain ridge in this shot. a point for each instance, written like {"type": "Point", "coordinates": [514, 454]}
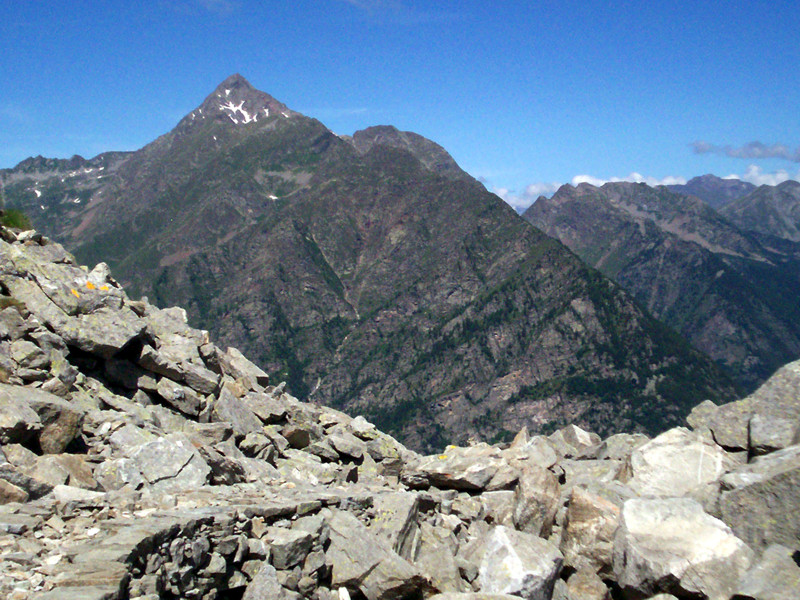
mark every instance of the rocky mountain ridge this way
{"type": "Point", "coordinates": [772, 211]}
{"type": "Point", "coordinates": [714, 191]}
{"type": "Point", "coordinates": [375, 276]}
{"type": "Point", "coordinates": [138, 460]}
{"type": "Point", "coordinates": [731, 295]}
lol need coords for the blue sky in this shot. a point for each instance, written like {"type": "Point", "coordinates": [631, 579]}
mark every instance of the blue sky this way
{"type": "Point", "coordinates": [524, 95]}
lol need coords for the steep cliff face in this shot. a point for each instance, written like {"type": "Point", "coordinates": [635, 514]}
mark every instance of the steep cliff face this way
{"type": "Point", "coordinates": [715, 283]}
{"type": "Point", "coordinates": [374, 275]}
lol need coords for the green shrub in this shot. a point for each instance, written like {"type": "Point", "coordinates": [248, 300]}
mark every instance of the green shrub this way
{"type": "Point", "coordinates": [16, 219]}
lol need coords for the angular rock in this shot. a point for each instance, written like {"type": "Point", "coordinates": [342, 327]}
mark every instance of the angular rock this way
{"type": "Point", "coordinates": [674, 463]}
{"type": "Point", "coordinates": [361, 561]}
{"type": "Point", "coordinates": [436, 557]}
{"type": "Point", "coordinates": [520, 564]}
{"type": "Point", "coordinates": [395, 520]}
{"type": "Point", "coordinates": [61, 421]}
{"type": "Point", "coordinates": [621, 445]}
{"type": "Point", "coordinates": [470, 468]}
{"type": "Point", "coordinates": [11, 493]}
{"type": "Point", "coordinates": [472, 596]}
{"type": "Point", "coordinates": [18, 421]}
{"type": "Point", "coordinates": [498, 507]}
{"type": "Point", "coordinates": [68, 493]}
{"type": "Point", "coordinates": [118, 473]}
{"type": "Point", "coordinates": [584, 584]}
{"type": "Point", "coordinates": [572, 441]}
{"type": "Point", "coordinates": [670, 545]}
{"type": "Point", "coordinates": [230, 409]}
{"type": "Point", "coordinates": [536, 501]}
{"type": "Point", "coordinates": [199, 378]}
{"type": "Point", "coordinates": [776, 576]}
{"type": "Point", "coordinates": [289, 546]}
{"type": "Point", "coordinates": [28, 355]}
{"type": "Point", "coordinates": [237, 366]}
{"type": "Point", "coordinates": [171, 463]}
{"type": "Point", "coordinates": [768, 433]}
{"type": "Point", "coordinates": [587, 541]}
{"type": "Point", "coordinates": [760, 501]}
{"type": "Point", "coordinates": [265, 586]}
{"type": "Point", "coordinates": [181, 397]}
{"type": "Point", "coordinates": [103, 332]}
{"type": "Point", "coordinates": [155, 362]}
{"type": "Point", "coordinates": [265, 407]}
{"type": "Point", "coordinates": [347, 445]}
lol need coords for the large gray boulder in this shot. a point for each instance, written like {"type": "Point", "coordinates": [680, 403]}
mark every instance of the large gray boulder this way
{"type": "Point", "coordinates": [460, 468]}
{"type": "Point", "coordinates": [518, 563]}
{"type": "Point", "coordinates": [171, 463]}
{"type": "Point", "coordinates": [536, 501]}
{"type": "Point", "coordinates": [674, 464]}
{"type": "Point", "coordinates": [670, 545]}
{"type": "Point", "coordinates": [760, 501]}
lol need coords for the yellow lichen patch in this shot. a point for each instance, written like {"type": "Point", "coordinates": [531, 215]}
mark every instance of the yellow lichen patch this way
{"type": "Point", "coordinates": [90, 285]}
{"type": "Point", "coordinates": [443, 457]}
{"type": "Point", "coordinates": [104, 288]}
{"type": "Point", "coordinates": [75, 292]}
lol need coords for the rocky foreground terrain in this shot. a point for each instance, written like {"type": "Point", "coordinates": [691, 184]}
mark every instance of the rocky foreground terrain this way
{"type": "Point", "coordinates": [139, 460]}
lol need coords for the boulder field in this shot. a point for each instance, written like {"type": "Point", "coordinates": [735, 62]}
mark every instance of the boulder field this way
{"type": "Point", "coordinates": [140, 460]}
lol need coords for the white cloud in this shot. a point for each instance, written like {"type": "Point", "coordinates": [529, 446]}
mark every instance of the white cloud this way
{"type": "Point", "coordinates": [756, 176]}
{"type": "Point", "coordinates": [633, 178]}
{"type": "Point", "coordinates": [521, 201]}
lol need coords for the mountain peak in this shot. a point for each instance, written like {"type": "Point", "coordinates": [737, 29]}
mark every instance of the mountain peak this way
{"type": "Point", "coordinates": [236, 102]}
{"type": "Point", "coordinates": [235, 82]}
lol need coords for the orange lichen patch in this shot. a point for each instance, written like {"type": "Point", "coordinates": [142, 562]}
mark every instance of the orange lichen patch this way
{"type": "Point", "coordinates": [90, 285]}
{"type": "Point", "coordinates": [75, 292]}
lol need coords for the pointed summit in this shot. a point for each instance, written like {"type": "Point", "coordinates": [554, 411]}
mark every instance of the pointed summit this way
{"type": "Point", "coordinates": [236, 102]}
{"type": "Point", "coordinates": [235, 83]}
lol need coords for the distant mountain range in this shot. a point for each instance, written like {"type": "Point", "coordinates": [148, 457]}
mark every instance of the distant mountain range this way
{"type": "Point", "coordinates": [371, 273]}
{"type": "Point", "coordinates": [728, 280]}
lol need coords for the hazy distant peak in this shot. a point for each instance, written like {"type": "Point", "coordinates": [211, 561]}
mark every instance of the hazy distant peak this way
{"type": "Point", "coordinates": [713, 190]}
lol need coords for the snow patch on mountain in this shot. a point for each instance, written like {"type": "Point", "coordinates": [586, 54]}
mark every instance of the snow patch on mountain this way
{"type": "Point", "coordinates": [238, 109]}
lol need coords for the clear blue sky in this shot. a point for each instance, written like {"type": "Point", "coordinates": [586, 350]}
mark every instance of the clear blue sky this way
{"type": "Point", "coordinates": [522, 93]}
